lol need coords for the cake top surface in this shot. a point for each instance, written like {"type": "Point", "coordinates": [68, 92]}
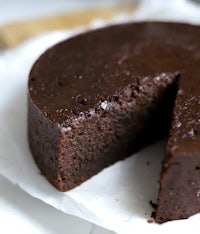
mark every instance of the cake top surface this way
{"type": "Point", "coordinates": [74, 75]}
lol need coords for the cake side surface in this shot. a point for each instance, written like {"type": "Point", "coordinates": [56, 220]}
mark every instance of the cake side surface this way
{"type": "Point", "coordinates": [44, 142]}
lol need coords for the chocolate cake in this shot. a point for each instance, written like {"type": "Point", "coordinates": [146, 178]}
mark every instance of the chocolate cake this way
{"type": "Point", "coordinates": [98, 97]}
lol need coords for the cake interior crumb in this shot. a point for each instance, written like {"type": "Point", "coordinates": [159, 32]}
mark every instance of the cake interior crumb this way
{"type": "Point", "coordinates": [150, 221]}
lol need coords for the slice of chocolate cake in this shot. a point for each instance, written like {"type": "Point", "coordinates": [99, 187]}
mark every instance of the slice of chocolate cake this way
{"type": "Point", "coordinates": [98, 97]}
{"type": "Point", "coordinates": [77, 126]}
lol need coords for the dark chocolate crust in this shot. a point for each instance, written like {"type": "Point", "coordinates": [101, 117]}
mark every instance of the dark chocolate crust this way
{"type": "Point", "coordinates": [94, 99]}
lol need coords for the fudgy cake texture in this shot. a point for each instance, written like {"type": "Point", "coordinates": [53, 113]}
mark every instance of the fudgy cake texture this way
{"type": "Point", "coordinates": [98, 97]}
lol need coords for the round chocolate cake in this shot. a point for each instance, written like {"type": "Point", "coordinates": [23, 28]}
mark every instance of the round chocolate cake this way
{"type": "Point", "coordinates": [99, 97]}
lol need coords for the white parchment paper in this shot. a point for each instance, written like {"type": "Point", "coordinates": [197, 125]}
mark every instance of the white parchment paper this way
{"type": "Point", "coordinates": [118, 197]}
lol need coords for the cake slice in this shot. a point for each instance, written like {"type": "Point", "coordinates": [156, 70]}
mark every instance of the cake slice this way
{"type": "Point", "coordinates": [71, 151]}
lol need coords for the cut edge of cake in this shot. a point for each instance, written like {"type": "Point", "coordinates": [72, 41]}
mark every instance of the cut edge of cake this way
{"type": "Point", "coordinates": [114, 129]}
